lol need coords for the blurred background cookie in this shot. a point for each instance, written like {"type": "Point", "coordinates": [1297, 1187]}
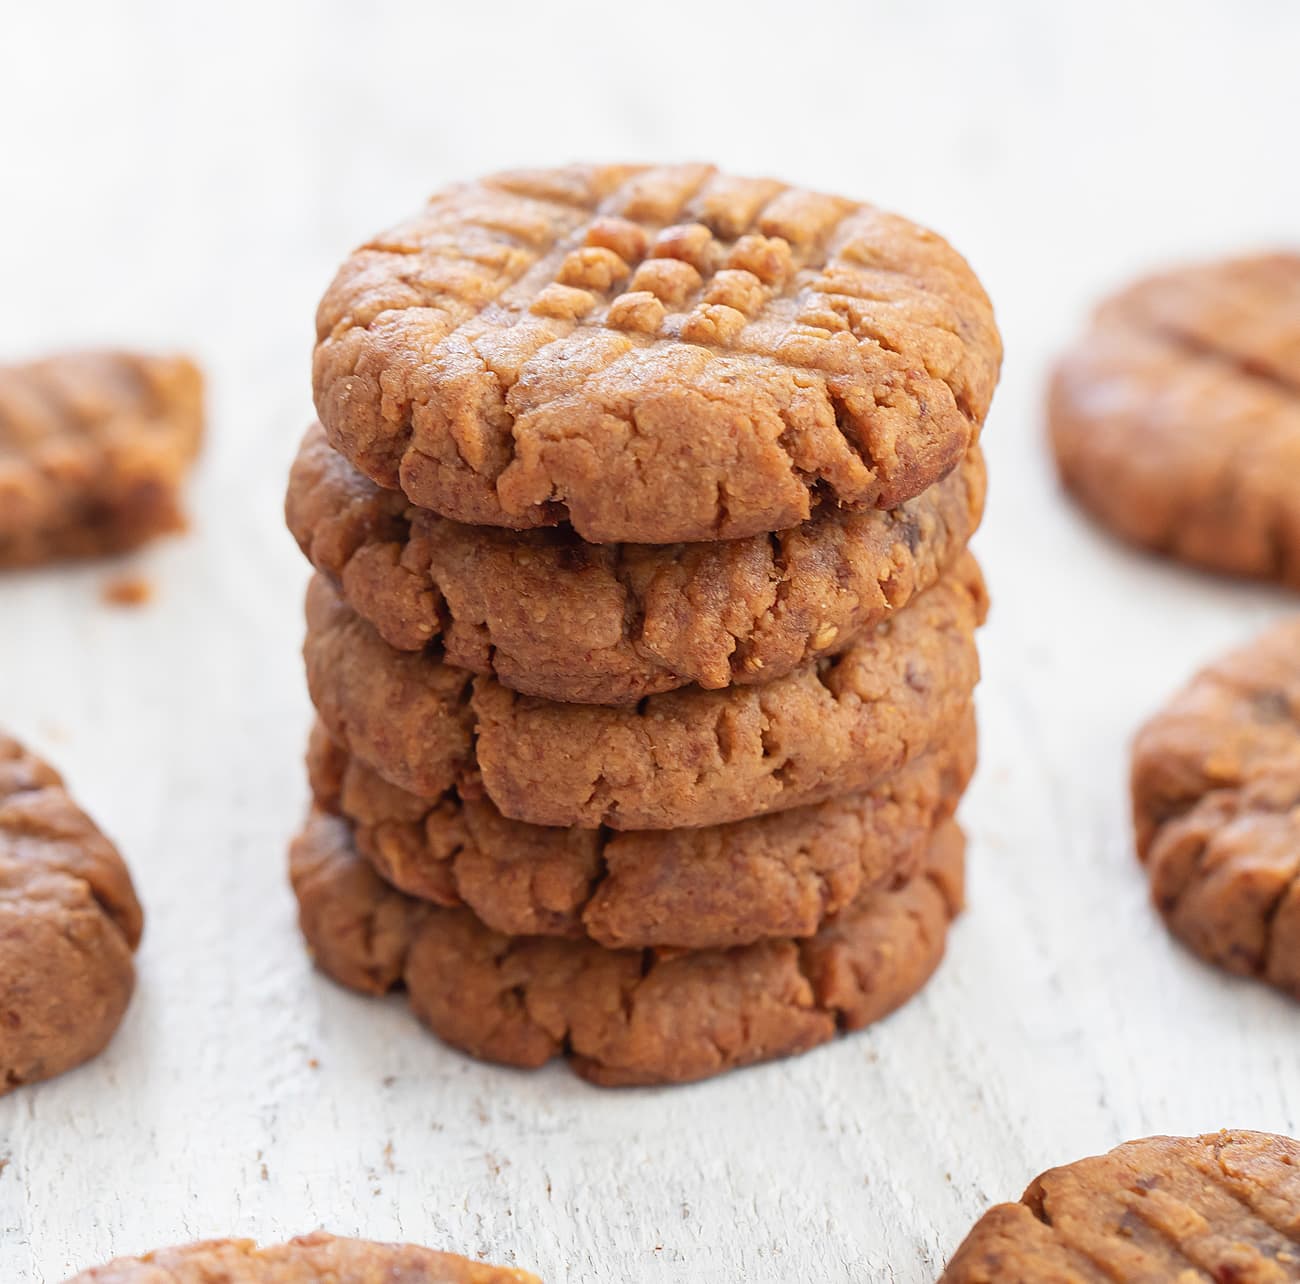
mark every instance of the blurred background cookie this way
{"type": "Point", "coordinates": [94, 449]}
{"type": "Point", "coordinates": [1176, 418]}
{"type": "Point", "coordinates": [310, 1259]}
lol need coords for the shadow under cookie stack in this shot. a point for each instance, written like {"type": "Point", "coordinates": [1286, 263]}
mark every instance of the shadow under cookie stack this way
{"type": "Point", "coordinates": [642, 633]}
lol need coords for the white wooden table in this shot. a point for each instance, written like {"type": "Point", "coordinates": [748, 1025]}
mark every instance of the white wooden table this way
{"type": "Point", "coordinates": [185, 177]}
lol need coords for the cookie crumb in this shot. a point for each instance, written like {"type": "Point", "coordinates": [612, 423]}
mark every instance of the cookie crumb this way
{"type": "Point", "coordinates": [128, 590]}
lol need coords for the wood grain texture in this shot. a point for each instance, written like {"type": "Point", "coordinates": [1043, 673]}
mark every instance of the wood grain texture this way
{"type": "Point", "coordinates": [177, 177]}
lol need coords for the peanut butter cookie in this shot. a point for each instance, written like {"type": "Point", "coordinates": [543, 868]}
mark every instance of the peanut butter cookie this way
{"type": "Point", "coordinates": [550, 615]}
{"type": "Point", "coordinates": [311, 1259]}
{"type": "Point", "coordinates": [93, 449]}
{"type": "Point", "coordinates": [623, 1016]}
{"type": "Point", "coordinates": [711, 888]}
{"type": "Point", "coordinates": [653, 354]}
{"type": "Point", "coordinates": [1223, 1207]}
{"type": "Point", "coordinates": [69, 924]}
{"type": "Point", "coordinates": [682, 758]}
{"type": "Point", "coordinates": [1216, 800]}
{"type": "Point", "coordinates": [1176, 420]}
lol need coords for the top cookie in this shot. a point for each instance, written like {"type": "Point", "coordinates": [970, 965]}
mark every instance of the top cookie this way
{"type": "Point", "coordinates": [653, 354]}
{"type": "Point", "coordinates": [311, 1259]}
{"type": "Point", "coordinates": [1216, 799]}
{"type": "Point", "coordinates": [1176, 420]}
{"type": "Point", "coordinates": [1221, 1207]}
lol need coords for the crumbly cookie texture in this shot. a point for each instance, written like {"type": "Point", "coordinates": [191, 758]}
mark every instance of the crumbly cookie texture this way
{"type": "Point", "coordinates": [1216, 801]}
{"type": "Point", "coordinates": [623, 1016]}
{"type": "Point", "coordinates": [94, 447]}
{"type": "Point", "coordinates": [711, 888]}
{"type": "Point", "coordinates": [683, 758]}
{"type": "Point", "coordinates": [69, 925]}
{"type": "Point", "coordinates": [310, 1259]}
{"type": "Point", "coordinates": [653, 354]}
{"type": "Point", "coordinates": [1223, 1207]}
{"type": "Point", "coordinates": [550, 615]}
{"type": "Point", "coordinates": [1176, 420]}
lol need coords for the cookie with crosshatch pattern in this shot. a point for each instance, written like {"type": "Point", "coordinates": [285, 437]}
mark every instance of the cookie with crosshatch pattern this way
{"type": "Point", "coordinates": [1176, 419]}
{"type": "Point", "coordinates": [550, 615]}
{"type": "Point", "coordinates": [653, 354]}
{"type": "Point", "coordinates": [69, 926]}
{"type": "Point", "coordinates": [1223, 1207]}
{"type": "Point", "coordinates": [310, 1259]}
{"type": "Point", "coordinates": [94, 448]}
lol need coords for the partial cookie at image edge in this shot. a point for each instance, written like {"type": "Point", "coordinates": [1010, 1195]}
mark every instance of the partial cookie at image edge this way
{"type": "Point", "coordinates": [310, 1259]}
{"type": "Point", "coordinates": [1225, 1206]}
{"type": "Point", "coordinates": [69, 926]}
{"type": "Point", "coordinates": [94, 450]}
{"type": "Point", "coordinates": [1176, 419]}
{"type": "Point", "coordinates": [1216, 805]}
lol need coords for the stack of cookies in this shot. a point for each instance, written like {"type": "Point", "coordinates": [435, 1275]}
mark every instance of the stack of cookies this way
{"type": "Point", "coordinates": [642, 634]}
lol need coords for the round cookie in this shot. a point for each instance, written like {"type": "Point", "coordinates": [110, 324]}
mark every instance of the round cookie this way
{"type": "Point", "coordinates": [69, 924]}
{"type": "Point", "coordinates": [653, 355]}
{"type": "Point", "coordinates": [1176, 420]}
{"type": "Point", "coordinates": [680, 759]}
{"type": "Point", "coordinates": [94, 448]}
{"type": "Point", "coordinates": [310, 1259]}
{"type": "Point", "coordinates": [712, 888]}
{"type": "Point", "coordinates": [550, 615]}
{"type": "Point", "coordinates": [624, 1016]}
{"type": "Point", "coordinates": [1216, 802]}
{"type": "Point", "coordinates": [1221, 1207]}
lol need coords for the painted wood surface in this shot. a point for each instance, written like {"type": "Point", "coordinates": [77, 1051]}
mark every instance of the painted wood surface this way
{"type": "Point", "coordinates": [178, 176]}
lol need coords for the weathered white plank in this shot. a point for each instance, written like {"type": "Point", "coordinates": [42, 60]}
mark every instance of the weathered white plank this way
{"type": "Point", "coordinates": [177, 177]}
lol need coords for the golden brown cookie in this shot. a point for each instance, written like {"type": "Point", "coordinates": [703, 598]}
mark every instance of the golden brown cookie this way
{"type": "Point", "coordinates": [1216, 800]}
{"type": "Point", "coordinates": [94, 447]}
{"type": "Point", "coordinates": [1221, 1208]}
{"type": "Point", "coordinates": [683, 758]}
{"type": "Point", "coordinates": [653, 355]}
{"type": "Point", "coordinates": [712, 888]}
{"type": "Point", "coordinates": [69, 924]}
{"type": "Point", "coordinates": [624, 1016]}
{"type": "Point", "coordinates": [311, 1259]}
{"type": "Point", "coordinates": [550, 615]}
{"type": "Point", "coordinates": [1176, 420]}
